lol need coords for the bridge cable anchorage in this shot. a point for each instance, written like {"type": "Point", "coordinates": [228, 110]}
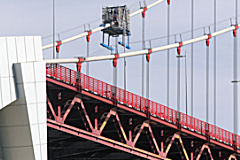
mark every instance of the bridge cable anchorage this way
{"type": "Point", "coordinates": [115, 60]}
{"type": "Point", "coordinates": [148, 55]}
{"type": "Point", "coordinates": [235, 30]}
{"type": "Point", "coordinates": [144, 12]}
{"type": "Point", "coordinates": [59, 43]}
{"type": "Point", "coordinates": [79, 63]}
{"type": "Point", "coordinates": [79, 68]}
{"type": "Point", "coordinates": [100, 27]}
{"type": "Point", "coordinates": [88, 35]}
{"type": "Point", "coordinates": [208, 40]}
{"type": "Point", "coordinates": [207, 83]}
{"type": "Point", "coordinates": [179, 48]}
{"type": "Point", "coordinates": [88, 50]}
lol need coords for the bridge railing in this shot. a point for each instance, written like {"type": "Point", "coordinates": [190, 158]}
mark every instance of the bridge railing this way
{"type": "Point", "coordinates": [134, 101]}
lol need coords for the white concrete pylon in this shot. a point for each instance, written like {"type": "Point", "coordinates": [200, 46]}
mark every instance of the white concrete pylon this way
{"type": "Point", "coordinates": [23, 129]}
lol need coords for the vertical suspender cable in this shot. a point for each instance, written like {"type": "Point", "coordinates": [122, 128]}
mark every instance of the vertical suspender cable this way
{"type": "Point", "coordinates": [168, 51]}
{"type": "Point", "coordinates": [54, 46]}
{"type": "Point", "coordinates": [178, 81]}
{"type": "Point", "coordinates": [178, 86]}
{"type": "Point", "coordinates": [114, 80]}
{"type": "Point", "coordinates": [88, 48]}
{"type": "Point", "coordinates": [148, 80]}
{"type": "Point", "coordinates": [235, 90]}
{"type": "Point", "coordinates": [147, 89]}
{"type": "Point", "coordinates": [115, 69]}
{"type": "Point", "coordinates": [143, 58]}
{"type": "Point", "coordinates": [192, 87]}
{"type": "Point", "coordinates": [54, 40]}
{"type": "Point", "coordinates": [148, 75]}
{"type": "Point", "coordinates": [186, 84]}
{"type": "Point", "coordinates": [124, 50]}
{"type": "Point", "coordinates": [125, 73]}
{"type": "Point", "coordinates": [207, 85]}
{"type": "Point", "coordinates": [215, 65]}
{"type": "Point", "coordinates": [235, 76]}
{"type": "Point", "coordinates": [125, 76]}
{"type": "Point", "coordinates": [88, 54]}
{"type": "Point", "coordinates": [207, 80]}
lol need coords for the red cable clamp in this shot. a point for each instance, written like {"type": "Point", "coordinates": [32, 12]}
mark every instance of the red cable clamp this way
{"type": "Point", "coordinates": [208, 40]}
{"type": "Point", "coordinates": [115, 60]}
{"type": "Point", "coordinates": [179, 48]}
{"type": "Point", "coordinates": [168, 2]}
{"type": "Point", "coordinates": [144, 12]}
{"type": "Point", "coordinates": [59, 43]}
{"type": "Point", "coordinates": [148, 54]}
{"type": "Point", "coordinates": [235, 31]}
{"type": "Point", "coordinates": [88, 36]}
{"type": "Point", "coordinates": [79, 64]}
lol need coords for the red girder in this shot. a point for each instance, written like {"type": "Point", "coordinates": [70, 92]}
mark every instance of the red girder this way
{"type": "Point", "coordinates": [129, 146]}
{"type": "Point", "coordinates": [103, 140]}
{"type": "Point", "coordinates": [143, 115]}
{"type": "Point", "coordinates": [115, 144]}
{"type": "Point", "coordinates": [136, 104]}
{"type": "Point", "coordinates": [60, 125]}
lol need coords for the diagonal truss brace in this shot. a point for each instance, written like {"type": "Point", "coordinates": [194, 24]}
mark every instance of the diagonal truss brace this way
{"type": "Point", "coordinates": [177, 136]}
{"type": "Point", "coordinates": [231, 157]}
{"type": "Point", "coordinates": [201, 152]}
{"type": "Point", "coordinates": [60, 121]}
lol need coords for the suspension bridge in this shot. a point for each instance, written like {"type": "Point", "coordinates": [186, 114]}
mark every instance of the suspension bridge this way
{"type": "Point", "coordinates": [72, 115]}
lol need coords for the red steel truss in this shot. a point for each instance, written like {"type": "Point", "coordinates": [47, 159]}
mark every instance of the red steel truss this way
{"type": "Point", "coordinates": [165, 133]}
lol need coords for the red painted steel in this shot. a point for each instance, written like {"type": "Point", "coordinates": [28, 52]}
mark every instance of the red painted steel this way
{"type": "Point", "coordinates": [103, 140]}
{"type": "Point", "coordinates": [136, 102]}
{"type": "Point", "coordinates": [59, 43]}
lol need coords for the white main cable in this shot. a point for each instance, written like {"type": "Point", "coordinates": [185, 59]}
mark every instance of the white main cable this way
{"type": "Point", "coordinates": [142, 52]}
{"type": "Point", "coordinates": [54, 61]}
{"type": "Point", "coordinates": [99, 28]}
{"type": "Point", "coordinates": [154, 4]}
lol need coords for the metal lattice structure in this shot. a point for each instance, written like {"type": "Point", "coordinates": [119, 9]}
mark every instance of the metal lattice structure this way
{"type": "Point", "coordinates": [119, 19]}
{"type": "Point", "coordinates": [84, 107]}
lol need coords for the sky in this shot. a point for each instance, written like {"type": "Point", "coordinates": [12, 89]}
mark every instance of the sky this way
{"type": "Point", "coordinates": [34, 18]}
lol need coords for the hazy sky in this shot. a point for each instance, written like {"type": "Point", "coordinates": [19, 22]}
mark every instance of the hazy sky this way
{"type": "Point", "coordinates": [32, 17]}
